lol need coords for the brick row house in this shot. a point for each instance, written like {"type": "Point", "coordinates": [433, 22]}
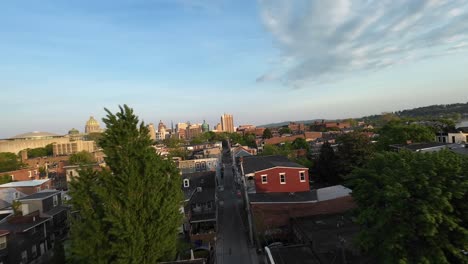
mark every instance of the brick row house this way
{"type": "Point", "coordinates": [29, 233]}
{"type": "Point", "coordinates": [278, 190]}
{"type": "Point", "coordinates": [200, 207]}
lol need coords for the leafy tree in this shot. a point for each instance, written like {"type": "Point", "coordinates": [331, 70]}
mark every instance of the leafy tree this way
{"type": "Point", "coordinates": [95, 136]}
{"type": "Point", "coordinates": [267, 133]}
{"type": "Point", "coordinates": [284, 130]}
{"type": "Point", "coordinates": [9, 162]}
{"type": "Point", "coordinates": [327, 164]}
{"type": "Point", "coordinates": [173, 142]}
{"type": "Point", "coordinates": [130, 212]}
{"type": "Point", "coordinates": [5, 179]}
{"type": "Point", "coordinates": [300, 143]}
{"type": "Point", "coordinates": [49, 148]}
{"type": "Point", "coordinates": [36, 152]}
{"type": "Point", "coordinates": [412, 207]}
{"type": "Point", "coordinates": [354, 149]}
{"type": "Point", "coordinates": [400, 133]}
{"type": "Point", "coordinates": [81, 158]}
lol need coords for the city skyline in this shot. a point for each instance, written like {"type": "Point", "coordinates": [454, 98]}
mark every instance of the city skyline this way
{"type": "Point", "coordinates": [194, 60]}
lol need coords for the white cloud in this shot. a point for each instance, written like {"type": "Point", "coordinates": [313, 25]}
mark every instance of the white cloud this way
{"type": "Point", "coordinates": [325, 40]}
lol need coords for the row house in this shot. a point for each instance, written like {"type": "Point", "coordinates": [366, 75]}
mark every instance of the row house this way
{"type": "Point", "coordinates": [30, 233]}
{"type": "Point", "coordinates": [28, 187]}
{"type": "Point", "coordinates": [200, 207]}
{"type": "Point", "coordinates": [198, 165]}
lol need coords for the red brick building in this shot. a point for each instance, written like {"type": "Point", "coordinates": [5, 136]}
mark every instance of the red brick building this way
{"type": "Point", "coordinates": [275, 174]}
{"type": "Point", "coordinates": [29, 187]}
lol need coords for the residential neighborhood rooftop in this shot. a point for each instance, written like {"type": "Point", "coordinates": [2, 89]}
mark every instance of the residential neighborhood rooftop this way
{"type": "Point", "coordinates": [253, 164]}
{"type": "Point", "coordinates": [284, 197]}
{"type": "Point", "coordinates": [40, 195]}
{"type": "Point", "coordinates": [24, 183]}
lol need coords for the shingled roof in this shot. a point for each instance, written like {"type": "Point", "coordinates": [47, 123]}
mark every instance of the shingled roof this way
{"type": "Point", "coordinates": [258, 163]}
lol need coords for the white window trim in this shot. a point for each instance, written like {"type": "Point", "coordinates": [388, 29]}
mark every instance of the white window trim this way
{"type": "Point", "coordinates": [266, 178]}
{"type": "Point", "coordinates": [282, 174]}
{"type": "Point", "coordinates": [300, 178]}
{"type": "Point", "coordinates": [186, 183]}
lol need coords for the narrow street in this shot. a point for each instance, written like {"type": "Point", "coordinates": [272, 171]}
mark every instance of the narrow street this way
{"type": "Point", "coordinates": [232, 240]}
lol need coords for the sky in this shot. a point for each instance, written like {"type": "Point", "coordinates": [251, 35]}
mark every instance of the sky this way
{"type": "Point", "coordinates": [193, 60]}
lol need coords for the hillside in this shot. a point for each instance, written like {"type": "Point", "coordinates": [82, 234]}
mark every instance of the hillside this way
{"type": "Point", "coordinates": [456, 111]}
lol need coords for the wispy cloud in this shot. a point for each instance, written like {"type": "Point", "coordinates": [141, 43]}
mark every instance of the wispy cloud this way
{"type": "Point", "coordinates": [321, 41]}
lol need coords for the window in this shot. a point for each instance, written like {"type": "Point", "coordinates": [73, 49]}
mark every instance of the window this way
{"type": "Point", "coordinates": [24, 256]}
{"type": "Point", "coordinates": [282, 178]}
{"type": "Point", "coordinates": [264, 179]}
{"type": "Point", "coordinates": [16, 195]}
{"type": "Point", "coordinates": [34, 251]}
{"type": "Point", "coordinates": [302, 176]}
{"type": "Point", "coordinates": [30, 174]}
{"type": "Point", "coordinates": [186, 183]}
{"type": "Point", "coordinates": [55, 197]}
{"type": "Point", "coordinates": [3, 242]}
{"type": "Point", "coordinates": [38, 189]}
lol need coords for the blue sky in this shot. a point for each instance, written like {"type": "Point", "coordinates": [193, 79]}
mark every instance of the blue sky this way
{"type": "Point", "coordinates": [262, 61]}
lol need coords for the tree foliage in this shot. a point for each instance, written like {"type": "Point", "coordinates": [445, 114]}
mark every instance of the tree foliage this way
{"type": "Point", "coordinates": [5, 179]}
{"type": "Point", "coordinates": [284, 130]}
{"type": "Point", "coordinates": [129, 213]}
{"type": "Point", "coordinates": [267, 133]}
{"type": "Point", "coordinates": [327, 164]}
{"type": "Point", "coordinates": [9, 162]}
{"type": "Point", "coordinates": [412, 207]}
{"type": "Point", "coordinates": [354, 149]}
{"type": "Point", "coordinates": [400, 133]}
{"type": "Point", "coordinates": [81, 158]}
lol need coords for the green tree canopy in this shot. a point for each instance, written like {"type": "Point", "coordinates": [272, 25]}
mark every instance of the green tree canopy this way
{"type": "Point", "coordinates": [81, 158]}
{"type": "Point", "coordinates": [400, 133]}
{"type": "Point", "coordinates": [9, 162]}
{"type": "Point", "coordinates": [284, 130]}
{"type": "Point", "coordinates": [130, 212]}
{"type": "Point", "coordinates": [354, 149]}
{"type": "Point", "coordinates": [267, 133]}
{"type": "Point", "coordinates": [412, 207]}
{"type": "Point", "coordinates": [5, 179]}
{"type": "Point", "coordinates": [37, 152]}
{"type": "Point", "coordinates": [300, 143]}
{"type": "Point", "coordinates": [327, 164]}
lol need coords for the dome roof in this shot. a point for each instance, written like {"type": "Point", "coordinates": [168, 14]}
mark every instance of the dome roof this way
{"type": "Point", "coordinates": [35, 135]}
{"type": "Point", "coordinates": [92, 122]}
{"type": "Point", "coordinates": [73, 131]}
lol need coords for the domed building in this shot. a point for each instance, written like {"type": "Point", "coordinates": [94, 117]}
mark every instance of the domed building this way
{"type": "Point", "coordinates": [92, 126]}
{"type": "Point", "coordinates": [74, 134]}
{"type": "Point", "coordinates": [30, 140]}
{"type": "Point", "coordinates": [205, 127]}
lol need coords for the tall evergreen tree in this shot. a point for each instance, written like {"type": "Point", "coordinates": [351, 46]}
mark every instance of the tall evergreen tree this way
{"type": "Point", "coordinates": [413, 207]}
{"type": "Point", "coordinates": [327, 164]}
{"type": "Point", "coordinates": [130, 211]}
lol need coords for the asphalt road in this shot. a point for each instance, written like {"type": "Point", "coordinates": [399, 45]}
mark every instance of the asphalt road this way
{"type": "Point", "coordinates": [232, 245]}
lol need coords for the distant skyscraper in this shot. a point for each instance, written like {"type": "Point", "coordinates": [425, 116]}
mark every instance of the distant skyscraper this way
{"type": "Point", "coordinates": [205, 127]}
{"type": "Point", "coordinates": [92, 126]}
{"type": "Point", "coordinates": [227, 123]}
{"type": "Point", "coordinates": [152, 132]}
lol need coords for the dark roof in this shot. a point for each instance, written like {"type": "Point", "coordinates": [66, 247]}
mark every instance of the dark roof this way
{"type": "Point", "coordinates": [253, 164]}
{"type": "Point", "coordinates": [40, 195]}
{"type": "Point", "coordinates": [21, 227]}
{"type": "Point", "coordinates": [463, 129]}
{"type": "Point", "coordinates": [55, 210]}
{"type": "Point", "coordinates": [298, 197]}
{"type": "Point", "coordinates": [460, 150]}
{"type": "Point", "coordinates": [203, 217]}
{"type": "Point", "coordinates": [204, 179]}
{"type": "Point", "coordinates": [323, 230]}
{"type": "Point", "coordinates": [420, 146]}
{"type": "Point", "coordinates": [203, 196]}
{"type": "Point", "coordinates": [297, 254]}
{"type": "Point", "coordinates": [4, 204]}
{"type": "Point", "coordinates": [189, 261]}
